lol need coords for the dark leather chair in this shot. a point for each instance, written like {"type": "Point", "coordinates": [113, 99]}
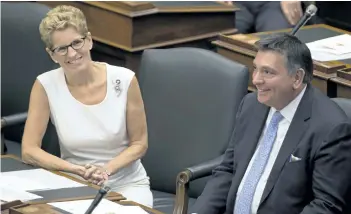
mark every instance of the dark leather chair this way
{"type": "Point", "coordinates": [345, 104]}
{"type": "Point", "coordinates": [191, 97]}
{"type": "Point", "coordinates": [23, 58]}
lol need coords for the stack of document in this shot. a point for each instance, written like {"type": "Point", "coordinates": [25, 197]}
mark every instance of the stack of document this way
{"type": "Point", "coordinates": [105, 206]}
{"type": "Point", "coordinates": [15, 185]}
{"type": "Point", "coordinates": [332, 48]}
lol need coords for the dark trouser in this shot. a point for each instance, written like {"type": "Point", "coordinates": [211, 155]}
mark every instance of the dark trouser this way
{"type": "Point", "coordinates": [259, 16]}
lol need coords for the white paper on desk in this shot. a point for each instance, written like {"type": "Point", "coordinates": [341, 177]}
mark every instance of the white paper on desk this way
{"type": "Point", "coordinates": [332, 48]}
{"type": "Point", "coordinates": [337, 44]}
{"type": "Point", "coordinates": [105, 207]}
{"type": "Point", "coordinates": [47, 180]}
{"type": "Point", "coordinates": [133, 209]}
{"type": "Point", "coordinates": [11, 194]}
{"type": "Point", "coordinates": [19, 183]}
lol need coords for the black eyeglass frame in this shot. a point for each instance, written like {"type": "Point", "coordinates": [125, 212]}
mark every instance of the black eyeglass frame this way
{"type": "Point", "coordinates": [67, 46]}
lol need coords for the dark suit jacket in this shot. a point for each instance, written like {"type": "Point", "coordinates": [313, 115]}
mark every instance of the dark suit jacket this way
{"type": "Point", "coordinates": [320, 134]}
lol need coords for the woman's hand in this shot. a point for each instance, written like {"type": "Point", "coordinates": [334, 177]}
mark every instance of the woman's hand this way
{"type": "Point", "coordinates": [292, 11]}
{"type": "Point", "coordinates": [78, 170]}
{"type": "Point", "coordinates": [95, 174]}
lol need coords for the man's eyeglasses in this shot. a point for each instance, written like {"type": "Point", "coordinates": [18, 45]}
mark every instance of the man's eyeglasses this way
{"type": "Point", "coordinates": [76, 45]}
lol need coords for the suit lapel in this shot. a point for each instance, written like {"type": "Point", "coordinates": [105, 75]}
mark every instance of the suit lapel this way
{"type": "Point", "coordinates": [295, 132]}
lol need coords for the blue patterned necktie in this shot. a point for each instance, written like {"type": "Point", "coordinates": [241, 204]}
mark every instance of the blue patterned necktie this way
{"type": "Point", "coordinates": [245, 197]}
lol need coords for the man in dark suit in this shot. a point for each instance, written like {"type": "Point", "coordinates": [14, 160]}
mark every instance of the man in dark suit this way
{"type": "Point", "coordinates": [290, 151]}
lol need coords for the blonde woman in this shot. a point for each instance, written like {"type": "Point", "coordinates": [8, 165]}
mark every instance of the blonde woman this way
{"type": "Point", "coordinates": [97, 110]}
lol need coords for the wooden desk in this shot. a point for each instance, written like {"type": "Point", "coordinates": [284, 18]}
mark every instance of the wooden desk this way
{"type": "Point", "coordinates": [23, 208]}
{"type": "Point", "coordinates": [122, 30]}
{"type": "Point", "coordinates": [42, 204]}
{"type": "Point", "coordinates": [111, 195]}
{"type": "Point", "coordinates": [240, 48]}
{"type": "Point", "coordinates": [343, 82]}
{"type": "Point", "coordinates": [132, 203]}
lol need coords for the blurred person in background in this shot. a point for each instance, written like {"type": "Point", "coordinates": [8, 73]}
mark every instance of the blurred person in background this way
{"type": "Point", "coordinates": [261, 16]}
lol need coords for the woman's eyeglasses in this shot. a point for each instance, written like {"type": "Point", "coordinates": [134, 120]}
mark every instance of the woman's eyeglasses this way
{"type": "Point", "coordinates": [76, 45]}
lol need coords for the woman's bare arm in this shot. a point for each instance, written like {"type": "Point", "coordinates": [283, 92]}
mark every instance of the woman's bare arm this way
{"type": "Point", "coordinates": [136, 128]}
{"type": "Point", "coordinates": [35, 128]}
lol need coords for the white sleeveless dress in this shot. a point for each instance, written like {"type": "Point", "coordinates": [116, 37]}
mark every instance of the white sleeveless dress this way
{"type": "Point", "coordinates": [96, 134]}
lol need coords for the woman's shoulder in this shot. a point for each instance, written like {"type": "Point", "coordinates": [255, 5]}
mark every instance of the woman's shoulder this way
{"type": "Point", "coordinates": [120, 72]}
{"type": "Point", "coordinates": [50, 74]}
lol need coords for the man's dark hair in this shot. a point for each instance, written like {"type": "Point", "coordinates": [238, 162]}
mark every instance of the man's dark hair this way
{"type": "Point", "coordinates": [297, 54]}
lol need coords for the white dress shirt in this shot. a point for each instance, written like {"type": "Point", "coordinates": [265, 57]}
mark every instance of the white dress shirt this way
{"type": "Point", "coordinates": [288, 113]}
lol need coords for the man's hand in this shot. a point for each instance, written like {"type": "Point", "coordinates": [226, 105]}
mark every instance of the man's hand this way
{"type": "Point", "coordinates": [229, 3]}
{"type": "Point", "coordinates": [292, 11]}
{"type": "Point", "coordinates": [95, 174]}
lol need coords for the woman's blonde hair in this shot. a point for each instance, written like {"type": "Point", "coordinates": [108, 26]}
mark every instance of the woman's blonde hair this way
{"type": "Point", "coordinates": [61, 18]}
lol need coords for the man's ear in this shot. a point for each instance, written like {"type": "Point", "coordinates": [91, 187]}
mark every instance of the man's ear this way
{"type": "Point", "coordinates": [298, 78]}
{"type": "Point", "coordinates": [50, 54]}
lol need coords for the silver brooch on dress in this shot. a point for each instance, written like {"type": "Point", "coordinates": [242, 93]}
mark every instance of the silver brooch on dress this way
{"type": "Point", "coordinates": [117, 86]}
